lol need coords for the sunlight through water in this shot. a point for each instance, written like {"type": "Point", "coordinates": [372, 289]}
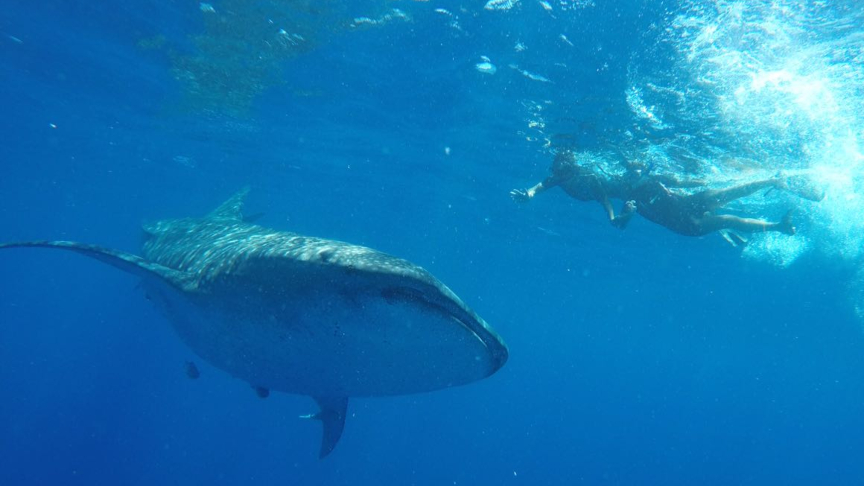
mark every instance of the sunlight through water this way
{"type": "Point", "coordinates": [775, 86]}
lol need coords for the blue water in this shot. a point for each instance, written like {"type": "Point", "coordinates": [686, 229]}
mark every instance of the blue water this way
{"type": "Point", "coordinates": [637, 356]}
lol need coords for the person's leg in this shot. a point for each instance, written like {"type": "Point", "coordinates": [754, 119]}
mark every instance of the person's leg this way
{"type": "Point", "coordinates": [733, 237]}
{"type": "Point", "coordinates": [715, 198]}
{"type": "Point", "coordinates": [607, 206]}
{"type": "Point", "coordinates": [715, 222]}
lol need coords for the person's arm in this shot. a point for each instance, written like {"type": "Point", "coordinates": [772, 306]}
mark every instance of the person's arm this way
{"type": "Point", "coordinates": [525, 195]}
{"type": "Point", "coordinates": [607, 206]}
{"type": "Point", "coordinates": [627, 210]}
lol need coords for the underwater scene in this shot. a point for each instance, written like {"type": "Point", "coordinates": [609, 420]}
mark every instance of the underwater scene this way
{"type": "Point", "coordinates": [432, 242]}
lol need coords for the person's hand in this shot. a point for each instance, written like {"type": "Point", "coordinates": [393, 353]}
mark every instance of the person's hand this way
{"type": "Point", "coordinates": [520, 195]}
{"type": "Point", "coordinates": [621, 221]}
{"type": "Point", "coordinates": [627, 212]}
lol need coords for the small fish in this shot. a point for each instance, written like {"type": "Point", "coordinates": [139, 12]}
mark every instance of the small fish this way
{"type": "Point", "coordinates": [192, 370]}
{"type": "Point", "coordinates": [364, 20]}
{"type": "Point", "coordinates": [486, 67]}
{"type": "Point", "coordinates": [536, 77]}
{"type": "Point", "coordinates": [262, 392]}
{"type": "Point", "coordinates": [548, 231]}
{"type": "Point", "coordinates": [529, 75]}
{"type": "Point", "coordinates": [500, 4]}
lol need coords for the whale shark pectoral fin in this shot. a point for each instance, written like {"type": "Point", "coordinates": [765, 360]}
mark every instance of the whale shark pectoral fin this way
{"type": "Point", "coordinates": [127, 262]}
{"type": "Point", "coordinates": [332, 417]}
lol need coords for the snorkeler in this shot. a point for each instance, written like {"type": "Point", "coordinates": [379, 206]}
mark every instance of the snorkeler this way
{"type": "Point", "coordinates": [695, 214]}
{"type": "Point", "coordinates": [650, 196]}
{"type": "Point", "coordinates": [580, 183]}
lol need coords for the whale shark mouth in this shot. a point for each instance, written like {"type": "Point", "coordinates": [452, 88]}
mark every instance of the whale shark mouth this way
{"type": "Point", "coordinates": [417, 298]}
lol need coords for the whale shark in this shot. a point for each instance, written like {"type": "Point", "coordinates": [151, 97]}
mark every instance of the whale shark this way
{"type": "Point", "coordinates": [304, 315]}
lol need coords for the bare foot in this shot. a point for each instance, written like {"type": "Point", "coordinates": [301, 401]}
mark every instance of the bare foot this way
{"type": "Point", "coordinates": [785, 225]}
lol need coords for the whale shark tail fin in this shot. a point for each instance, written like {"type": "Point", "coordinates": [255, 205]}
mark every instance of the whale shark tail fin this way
{"type": "Point", "coordinates": [124, 261]}
{"type": "Point", "coordinates": [332, 417]}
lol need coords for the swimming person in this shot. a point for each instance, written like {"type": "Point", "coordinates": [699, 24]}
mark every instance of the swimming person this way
{"type": "Point", "coordinates": [649, 195]}
{"type": "Point", "coordinates": [579, 182]}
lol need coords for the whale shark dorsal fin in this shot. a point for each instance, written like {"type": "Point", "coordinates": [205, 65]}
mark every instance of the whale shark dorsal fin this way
{"type": "Point", "coordinates": [127, 262]}
{"type": "Point", "coordinates": [332, 417]}
{"type": "Point", "coordinates": [232, 209]}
